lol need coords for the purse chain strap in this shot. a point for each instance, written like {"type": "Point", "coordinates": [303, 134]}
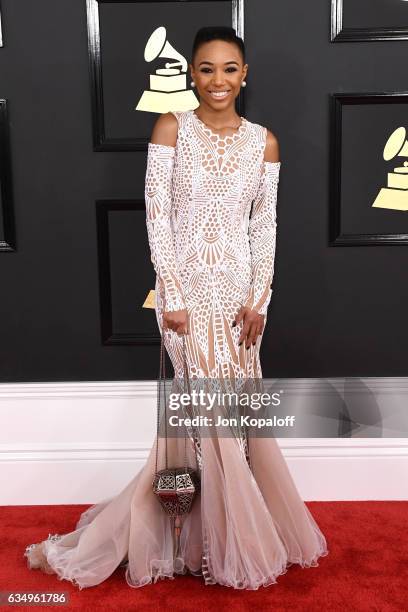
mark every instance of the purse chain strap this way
{"type": "Point", "coordinates": [162, 385]}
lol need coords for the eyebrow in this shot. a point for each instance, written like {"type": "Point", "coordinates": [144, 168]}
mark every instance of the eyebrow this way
{"type": "Point", "coordinates": [211, 63]}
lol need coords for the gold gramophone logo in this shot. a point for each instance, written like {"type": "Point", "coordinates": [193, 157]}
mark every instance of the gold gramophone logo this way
{"type": "Point", "coordinates": [168, 85]}
{"type": "Point", "coordinates": [395, 195]}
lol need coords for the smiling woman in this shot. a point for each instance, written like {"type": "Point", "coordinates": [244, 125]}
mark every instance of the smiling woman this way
{"type": "Point", "coordinates": [211, 196]}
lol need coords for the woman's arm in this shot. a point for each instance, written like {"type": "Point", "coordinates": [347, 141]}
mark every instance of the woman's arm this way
{"type": "Point", "coordinates": [262, 229]}
{"type": "Point", "coordinates": [158, 179]}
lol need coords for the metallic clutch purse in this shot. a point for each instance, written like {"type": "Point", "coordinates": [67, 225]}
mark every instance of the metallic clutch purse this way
{"type": "Point", "coordinates": [176, 487]}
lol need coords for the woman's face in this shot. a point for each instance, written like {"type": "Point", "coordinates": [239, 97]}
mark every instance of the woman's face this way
{"type": "Point", "coordinates": [218, 67]}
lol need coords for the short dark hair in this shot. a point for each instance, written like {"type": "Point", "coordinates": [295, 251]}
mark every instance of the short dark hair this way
{"type": "Point", "coordinates": [209, 33]}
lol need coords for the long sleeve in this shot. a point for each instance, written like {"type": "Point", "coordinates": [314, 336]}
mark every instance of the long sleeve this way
{"type": "Point", "coordinates": [262, 237]}
{"type": "Point", "coordinates": [159, 171]}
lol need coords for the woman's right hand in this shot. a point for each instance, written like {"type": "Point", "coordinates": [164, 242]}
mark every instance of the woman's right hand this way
{"type": "Point", "coordinates": [177, 320]}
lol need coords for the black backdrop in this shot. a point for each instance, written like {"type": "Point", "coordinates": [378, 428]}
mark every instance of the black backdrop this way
{"type": "Point", "coordinates": [335, 311]}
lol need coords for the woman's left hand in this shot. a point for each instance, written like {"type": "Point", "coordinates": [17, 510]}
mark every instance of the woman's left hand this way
{"type": "Point", "coordinates": [253, 324]}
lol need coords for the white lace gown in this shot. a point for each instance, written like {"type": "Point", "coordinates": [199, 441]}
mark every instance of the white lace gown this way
{"type": "Point", "coordinates": [211, 222]}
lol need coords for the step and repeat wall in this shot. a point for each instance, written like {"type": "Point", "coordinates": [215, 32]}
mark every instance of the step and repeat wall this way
{"type": "Point", "coordinates": [82, 83]}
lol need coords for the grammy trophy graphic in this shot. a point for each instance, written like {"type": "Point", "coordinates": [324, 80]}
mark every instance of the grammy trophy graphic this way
{"type": "Point", "coordinates": [395, 195]}
{"type": "Point", "coordinates": [168, 86]}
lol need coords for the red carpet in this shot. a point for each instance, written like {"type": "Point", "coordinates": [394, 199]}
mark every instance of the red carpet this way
{"type": "Point", "coordinates": [366, 569]}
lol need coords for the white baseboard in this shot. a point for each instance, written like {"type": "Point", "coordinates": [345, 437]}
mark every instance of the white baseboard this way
{"type": "Point", "coordinates": [68, 443]}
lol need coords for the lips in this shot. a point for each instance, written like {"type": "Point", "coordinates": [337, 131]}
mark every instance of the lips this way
{"type": "Point", "coordinates": [219, 95]}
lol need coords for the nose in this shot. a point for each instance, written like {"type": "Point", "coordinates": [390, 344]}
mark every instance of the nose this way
{"type": "Point", "coordinates": [218, 79]}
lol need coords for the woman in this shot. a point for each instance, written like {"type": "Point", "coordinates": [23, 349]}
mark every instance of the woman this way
{"type": "Point", "coordinates": [211, 191]}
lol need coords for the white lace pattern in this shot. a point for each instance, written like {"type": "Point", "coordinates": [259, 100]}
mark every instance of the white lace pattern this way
{"type": "Point", "coordinates": [212, 254]}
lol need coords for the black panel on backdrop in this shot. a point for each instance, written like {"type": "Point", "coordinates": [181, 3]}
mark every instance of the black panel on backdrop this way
{"type": "Point", "coordinates": [361, 126]}
{"type": "Point", "coordinates": [117, 36]}
{"type": "Point", "coordinates": [125, 275]}
{"type": "Point", "coordinates": [365, 20]}
{"type": "Point", "coordinates": [336, 312]}
{"type": "Point", "coordinates": [7, 227]}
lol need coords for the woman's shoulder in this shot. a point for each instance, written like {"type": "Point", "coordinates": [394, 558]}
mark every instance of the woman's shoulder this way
{"type": "Point", "coordinates": [262, 128]}
{"type": "Point", "coordinates": [165, 130]}
{"type": "Point", "coordinates": [269, 141]}
{"type": "Point", "coordinates": [271, 147]}
{"type": "Point", "coordinates": [180, 115]}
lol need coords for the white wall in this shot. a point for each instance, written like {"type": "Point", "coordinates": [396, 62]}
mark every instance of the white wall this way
{"type": "Point", "coordinates": [65, 443]}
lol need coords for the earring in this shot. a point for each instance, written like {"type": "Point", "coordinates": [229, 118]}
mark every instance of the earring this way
{"type": "Point", "coordinates": [192, 84]}
{"type": "Point", "coordinates": [243, 83]}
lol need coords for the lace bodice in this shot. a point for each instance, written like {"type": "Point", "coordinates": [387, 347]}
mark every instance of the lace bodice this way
{"type": "Point", "coordinates": [211, 214]}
